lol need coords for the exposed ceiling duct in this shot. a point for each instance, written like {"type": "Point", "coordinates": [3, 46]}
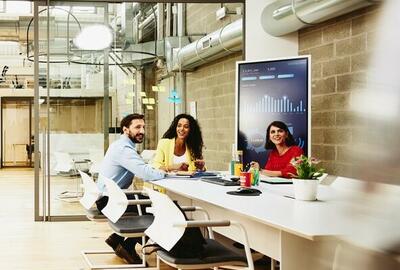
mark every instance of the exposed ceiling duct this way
{"type": "Point", "coordinates": [217, 44]}
{"type": "Point", "coordinates": [285, 16]}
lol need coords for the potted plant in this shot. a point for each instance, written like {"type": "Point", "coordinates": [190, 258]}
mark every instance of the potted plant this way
{"type": "Point", "coordinates": [306, 181]}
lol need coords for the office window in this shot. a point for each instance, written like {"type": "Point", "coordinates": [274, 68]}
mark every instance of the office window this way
{"type": "Point", "coordinates": [75, 10]}
{"type": "Point", "coordinates": [84, 10]}
{"type": "Point", "coordinates": [16, 7]}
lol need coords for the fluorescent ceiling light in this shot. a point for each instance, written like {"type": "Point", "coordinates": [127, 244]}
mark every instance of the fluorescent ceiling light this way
{"type": "Point", "coordinates": [94, 37]}
{"type": "Point", "coordinates": [142, 94]}
{"type": "Point", "coordinates": [149, 107]}
{"type": "Point", "coordinates": [152, 101]}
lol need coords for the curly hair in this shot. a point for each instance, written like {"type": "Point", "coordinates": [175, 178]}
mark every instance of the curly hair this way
{"type": "Point", "coordinates": [194, 140]}
{"type": "Point", "coordinates": [289, 141]}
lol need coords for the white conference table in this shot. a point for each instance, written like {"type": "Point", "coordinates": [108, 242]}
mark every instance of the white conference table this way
{"type": "Point", "coordinates": [299, 234]}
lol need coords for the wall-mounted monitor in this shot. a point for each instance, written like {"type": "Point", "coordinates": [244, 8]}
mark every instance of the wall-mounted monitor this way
{"type": "Point", "coordinates": [270, 90]}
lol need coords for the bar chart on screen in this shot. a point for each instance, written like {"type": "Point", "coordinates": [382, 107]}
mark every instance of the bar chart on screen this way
{"type": "Point", "coordinates": [269, 104]}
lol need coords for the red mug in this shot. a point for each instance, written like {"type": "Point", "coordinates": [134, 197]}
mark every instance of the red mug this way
{"type": "Point", "coordinates": [245, 179]}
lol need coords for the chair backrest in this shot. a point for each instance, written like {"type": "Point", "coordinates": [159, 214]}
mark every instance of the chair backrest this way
{"type": "Point", "coordinates": [91, 191]}
{"type": "Point", "coordinates": [96, 157]}
{"type": "Point", "coordinates": [148, 155]}
{"type": "Point", "coordinates": [64, 162]}
{"type": "Point", "coordinates": [117, 200]}
{"type": "Point", "coordinates": [166, 213]}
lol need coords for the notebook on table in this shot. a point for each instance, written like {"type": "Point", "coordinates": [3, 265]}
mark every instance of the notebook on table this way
{"type": "Point", "coordinates": [189, 174]}
{"type": "Point", "coordinates": [275, 180]}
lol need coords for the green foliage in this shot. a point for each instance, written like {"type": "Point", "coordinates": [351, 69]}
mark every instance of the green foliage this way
{"type": "Point", "coordinates": [306, 167]}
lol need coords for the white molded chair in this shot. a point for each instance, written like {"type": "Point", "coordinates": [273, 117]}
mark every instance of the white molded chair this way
{"type": "Point", "coordinates": [118, 202]}
{"type": "Point", "coordinates": [169, 226]}
{"type": "Point", "coordinates": [148, 155]}
{"type": "Point", "coordinates": [64, 163]}
{"type": "Point", "coordinates": [91, 191]}
{"type": "Point", "coordinates": [67, 166]}
{"type": "Point", "coordinates": [123, 224]}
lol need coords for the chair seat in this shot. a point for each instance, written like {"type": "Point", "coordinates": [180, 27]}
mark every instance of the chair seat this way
{"type": "Point", "coordinates": [214, 252]}
{"type": "Point", "coordinates": [94, 214]}
{"type": "Point", "coordinates": [132, 224]}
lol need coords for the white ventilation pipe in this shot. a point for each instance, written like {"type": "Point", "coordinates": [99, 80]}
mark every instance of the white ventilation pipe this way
{"type": "Point", "coordinates": [224, 41]}
{"type": "Point", "coordinates": [285, 16]}
{"type": "Point", "coordinates": [149, 19]}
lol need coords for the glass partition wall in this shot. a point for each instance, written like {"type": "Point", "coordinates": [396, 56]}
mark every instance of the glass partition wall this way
{"type": "Point", "coordinates": [75, 99]}
{"type": "Point", "coordinates": [96, 62]}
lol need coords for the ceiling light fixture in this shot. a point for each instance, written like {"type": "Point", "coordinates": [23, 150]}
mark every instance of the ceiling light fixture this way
{"type": "Point", "coordinates": [94, 37]}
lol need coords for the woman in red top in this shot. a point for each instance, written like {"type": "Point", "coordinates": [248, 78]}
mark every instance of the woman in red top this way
{"type": "Point", "coordinates": [280, 140]}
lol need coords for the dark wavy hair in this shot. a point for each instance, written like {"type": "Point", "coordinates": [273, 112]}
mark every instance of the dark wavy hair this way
{"type": "Point", "coordinates": [194, 140]}
{"type": "Point", "coordinates": [289, 140]}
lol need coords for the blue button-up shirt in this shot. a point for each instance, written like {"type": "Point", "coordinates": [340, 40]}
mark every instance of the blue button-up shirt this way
{"type": "Point", "coordinates": [122, 162]}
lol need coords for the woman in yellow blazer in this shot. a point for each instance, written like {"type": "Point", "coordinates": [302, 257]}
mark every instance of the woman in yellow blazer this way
{"type": "Point", "coordinates": [181, 147]}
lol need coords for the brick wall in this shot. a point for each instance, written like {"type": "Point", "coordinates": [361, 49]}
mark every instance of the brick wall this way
{"type": "Point", "coordinates": [201, 18]}
{"type": "Point", "coordinates": [340, 50]}
{"type": "Point", "coordinates": [212, 86]}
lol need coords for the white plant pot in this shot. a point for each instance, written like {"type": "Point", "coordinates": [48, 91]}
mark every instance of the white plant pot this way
{"type": "Point", "coordinates": [305, 190]}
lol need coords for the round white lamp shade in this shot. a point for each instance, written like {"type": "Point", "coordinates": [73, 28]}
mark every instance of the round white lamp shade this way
{"type": "Point", "coordinates": [94, 37]}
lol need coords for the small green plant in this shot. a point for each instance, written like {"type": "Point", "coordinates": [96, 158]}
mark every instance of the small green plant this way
{"type": "Point", "coordinates": [306, 167]}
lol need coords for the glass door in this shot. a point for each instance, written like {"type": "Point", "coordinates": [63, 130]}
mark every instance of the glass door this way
{"type": "Point", "coordinates": [73, 107]}
{"type": "Point", "coordinates": [17, 139]}
{"type": "Point", "coordinates": [84, 86]}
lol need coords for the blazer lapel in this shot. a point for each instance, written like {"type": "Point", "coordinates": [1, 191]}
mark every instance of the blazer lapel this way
{"type": "Point", "coordinates": [171, 151]}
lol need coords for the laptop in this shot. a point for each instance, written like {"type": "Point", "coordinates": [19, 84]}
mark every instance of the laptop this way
{"type": "Point", "coordinates": [189, 174]}
{"type": "Point", "coordinates": [219, 181]}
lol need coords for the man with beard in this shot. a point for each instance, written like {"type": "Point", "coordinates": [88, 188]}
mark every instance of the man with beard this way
{"type": "Point", "coordinates": [121, 163]}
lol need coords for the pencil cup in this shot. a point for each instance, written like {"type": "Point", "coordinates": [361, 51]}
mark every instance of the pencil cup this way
{"type": "Point", "coordinates": [245, 179]}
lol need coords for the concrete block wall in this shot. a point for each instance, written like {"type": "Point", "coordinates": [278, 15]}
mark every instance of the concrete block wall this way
{"type": "Point", "coordinates": [340, 49]}
{"type": "Point", "coordinates": [212, 86]}
{"type": "Point", "coordinates": [201, 18]}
